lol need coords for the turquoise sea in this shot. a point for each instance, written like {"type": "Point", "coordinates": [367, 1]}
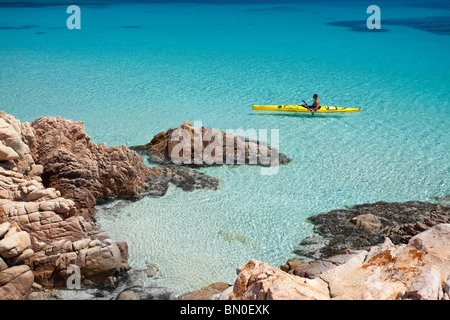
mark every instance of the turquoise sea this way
{"type": "Point", "coordinates": [135, 69]}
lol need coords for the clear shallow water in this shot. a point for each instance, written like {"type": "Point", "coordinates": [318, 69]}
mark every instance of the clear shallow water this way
{"type": "Point", "coordinates": [135, 70]}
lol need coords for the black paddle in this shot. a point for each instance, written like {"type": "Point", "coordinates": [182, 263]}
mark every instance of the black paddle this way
{"type": "Point", "coordinates": [306, 106]}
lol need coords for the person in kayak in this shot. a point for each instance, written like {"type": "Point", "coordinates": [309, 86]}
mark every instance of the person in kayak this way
{"type": "Point", "coordinates": [316, 104]}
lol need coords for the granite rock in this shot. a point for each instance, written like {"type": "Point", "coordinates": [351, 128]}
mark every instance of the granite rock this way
{"type": "Point", "coordinates": [87, 173]}
{"type": "Point", "coordinates": [16, 278]}
{"type": "Point", "coordinates": [199, 147]}
{"type": "Point", "coordinates": [38, 226]}
{"type": "Point", "coordinates": [205, 293]}
{"type": "Point", "coordinates": [260, 281]}
{"type": "Point", "coordinates": [386, 271]}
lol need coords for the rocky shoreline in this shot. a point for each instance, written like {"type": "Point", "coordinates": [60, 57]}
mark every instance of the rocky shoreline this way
{"type": "Point", "coordinates": [366, 225]}
{"type": "Point", "coordinates": [88, 173]}
{"type": "Point", "coordinates": [416, 270]}
{"type": "Point", "coordinates": [52, 177]}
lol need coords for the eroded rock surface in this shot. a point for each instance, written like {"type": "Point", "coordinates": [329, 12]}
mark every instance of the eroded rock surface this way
{"type": "Point", "coordinates": [41, 234]}
{"type": "Point", "coordinates": [51, 177]}
{"type": "Point", "coordinates": [419, 269]}
{"type": "Point", "coordinates": [261, 281]}
{"type": "Point", "coordinates": [198, 147]}
{"type": "Point", "coordinates": [86, 172]}
{"type": "Point", "coordinates": [16, 278]}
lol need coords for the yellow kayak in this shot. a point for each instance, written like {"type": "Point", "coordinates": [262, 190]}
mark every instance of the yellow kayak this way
{"type": "Point", "coordinates": [301, 108]}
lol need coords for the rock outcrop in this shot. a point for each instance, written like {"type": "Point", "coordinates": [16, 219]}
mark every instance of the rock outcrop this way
{"type": "Point", "coordinates": [16, 278]}
{"type": "Point", "coordinates": [51, 177]}
{"type": "Point", "coordinates": [17, 140]}
{"type": "Point", "coordinates": [417, 270]}
{"type": "Point", "coordinates": [261, 281]}
{"type": "Point", "coordinates": [86, 172]}
{"type": "Point", "coordinates": [198, 147]}
{"type": "Point", "coordinates": [46, 237]}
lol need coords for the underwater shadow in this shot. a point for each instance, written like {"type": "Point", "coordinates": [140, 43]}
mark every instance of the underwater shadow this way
{"type": "Point", "coordinates": [356, 26]}
{"type": "Point", "coordinates": [274, 9]}
{"type": "Point", "coordinates": [301, 115]}
{"type": "Point", "coordinates": [437, 25]}
{"type": "Point", "coordinates": [25, 27]}
{"type": "Point", "coordinates": [131, 27]}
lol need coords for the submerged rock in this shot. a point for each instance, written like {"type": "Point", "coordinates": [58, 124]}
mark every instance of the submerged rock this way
{"type": "Point", "coordinates": [230, 236]}
{"type": "Point", "coordinates": [369, 224]}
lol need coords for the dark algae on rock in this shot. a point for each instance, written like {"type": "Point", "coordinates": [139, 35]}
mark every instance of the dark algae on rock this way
{"type": "Point", "coordinates": [366, 225]}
